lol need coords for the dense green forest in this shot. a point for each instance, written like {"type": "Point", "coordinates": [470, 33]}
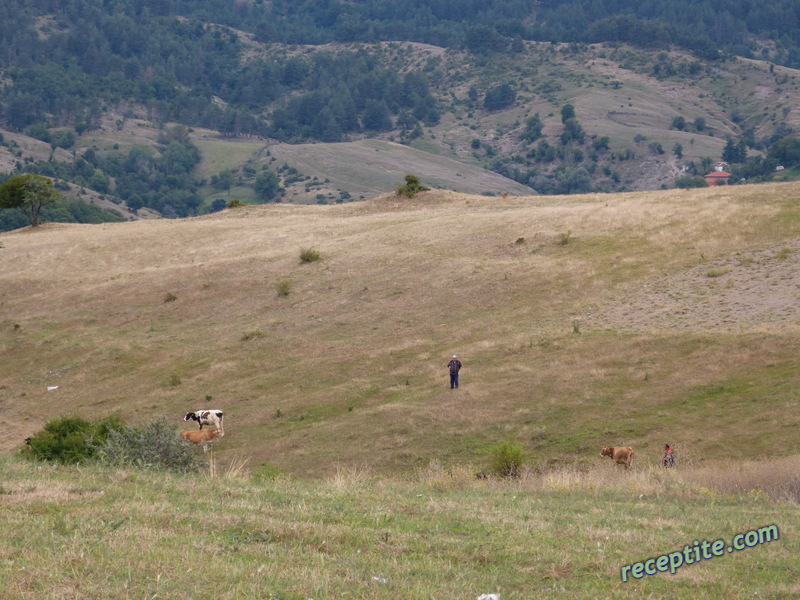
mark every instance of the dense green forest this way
{"type": "Point", "coordinates": [63, 62]}
{"type": "Point", "coordinates": [123, 27]}
{"type": "Point", "coordinates": [65, 57]}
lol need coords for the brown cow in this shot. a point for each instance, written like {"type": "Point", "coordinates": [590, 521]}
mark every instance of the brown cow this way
{"type": "Point", "coordinates": [622, 455]}
{"type": "Point", "coordinates": [201, 436]}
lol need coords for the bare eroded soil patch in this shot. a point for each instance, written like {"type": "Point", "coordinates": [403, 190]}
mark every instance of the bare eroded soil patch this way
{"type": "Point", "coordinates": [744, 290]}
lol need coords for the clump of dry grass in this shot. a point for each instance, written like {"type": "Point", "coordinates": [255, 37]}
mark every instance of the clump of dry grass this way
{"type": "Point", "coordinates": [235, 469]}
{"type": "Point", "coordinates": [309, 255]}
{"type": "Point", "coordinates": [283, 287]}
{"type": "Point", "coordinates": [252, 335]}
{"type": "Point", "coordinates": [777, 479]}
{"type": "Point", "coordinates": [648, 481]}
{"type": "Point", "coordinates": [350, 478]}
{"type": "Point", "coordinates": [445, 479]}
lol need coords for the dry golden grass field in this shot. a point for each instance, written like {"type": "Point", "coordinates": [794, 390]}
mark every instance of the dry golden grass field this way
{"type": "Point", "coordinates": [582, 321]}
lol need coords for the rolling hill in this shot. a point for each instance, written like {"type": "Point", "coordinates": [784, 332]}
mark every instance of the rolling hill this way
{"type": "Point", "coordinates": [584, 320]}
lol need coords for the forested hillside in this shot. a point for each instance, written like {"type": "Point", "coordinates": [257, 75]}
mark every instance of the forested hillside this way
{"type": "Point", "coordinates": [407, 70]}
{"type": "Point", "coordinates": [741, 27]}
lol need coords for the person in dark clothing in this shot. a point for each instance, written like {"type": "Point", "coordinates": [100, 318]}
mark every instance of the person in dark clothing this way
{"type": "Point", "coordinates": [455, 366]}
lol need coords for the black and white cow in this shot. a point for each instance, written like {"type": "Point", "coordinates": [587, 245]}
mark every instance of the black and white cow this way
{"type": "Point", "coordinates": [207, 417]}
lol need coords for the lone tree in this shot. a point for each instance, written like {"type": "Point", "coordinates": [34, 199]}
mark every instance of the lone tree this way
{"type": "Point", "coordinates": [411, 188]}
{"type": "Point", "coordinates": [29, 193]}
{"type": "Point", "coordinates": [267, 185]}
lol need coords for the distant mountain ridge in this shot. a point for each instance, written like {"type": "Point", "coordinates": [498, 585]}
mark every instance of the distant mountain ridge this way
{"type": "Point", "coordinates": [91, 94]}
{"type": "Point", "coordinates": [766, 29]}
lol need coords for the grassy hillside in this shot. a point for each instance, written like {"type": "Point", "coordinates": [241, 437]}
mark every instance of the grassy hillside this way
{"type": "Point", "coordinates": [110, 534]}
{"type": "Point", "coordinates": [363, 169]}
{"type": "Point", "coordinates": [582, 321]}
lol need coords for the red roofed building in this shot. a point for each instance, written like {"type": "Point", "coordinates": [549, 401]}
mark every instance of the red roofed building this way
{"type": "Point", "coordinates": [717, 178]}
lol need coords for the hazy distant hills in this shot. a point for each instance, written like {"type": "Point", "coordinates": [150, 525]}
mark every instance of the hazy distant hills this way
{"type": "Point", "coordinates": [91, 97]}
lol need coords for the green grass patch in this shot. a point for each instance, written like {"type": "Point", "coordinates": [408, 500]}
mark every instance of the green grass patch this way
{"type": "Point", "coordinates": [104, 533]}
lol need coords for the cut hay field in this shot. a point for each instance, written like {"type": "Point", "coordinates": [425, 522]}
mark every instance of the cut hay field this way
{"type": "Point", "coordinates": [582, 321]}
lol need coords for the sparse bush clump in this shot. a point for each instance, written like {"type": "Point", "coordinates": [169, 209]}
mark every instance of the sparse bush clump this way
{"type": "Point", "coordinates": [70, 440]}
{"type": "Point", "coordinates": [170, 297]}
{"type": "Point", "coordinates": [412, 187]}
{"type": "Point", "coordinates": [283, 287]}
{"type": "Point", "coordinates": [155, 446]}
{"type": "Point", "coordinates": [309, 255]}
{"type": "Point", "coordinates": [448, 479]}
{"type": "Point", "coordinates": [507, 460]}
{"type": "Point", "coordinates": [252, 335]}
{"type": "Point", "coordinates": [266, 472]}
{"type": "Point", "coordinates": [236, 203]}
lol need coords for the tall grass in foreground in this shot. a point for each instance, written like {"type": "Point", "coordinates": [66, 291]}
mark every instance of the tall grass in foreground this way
{"type": "Point", "coordinates": [93, 532]}
{"type": "Point", "coordinates": [778, 480]}
{"type": "Point", "coordinates": [235, 469]}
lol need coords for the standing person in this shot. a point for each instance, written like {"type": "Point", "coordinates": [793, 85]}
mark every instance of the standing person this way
{"type": "Point", "coordinates": [455, 366]}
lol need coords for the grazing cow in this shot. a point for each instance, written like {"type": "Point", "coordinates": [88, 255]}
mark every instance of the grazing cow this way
{"type": "Point", "coordinates": [622, 455]}
{"type": "Point", "coordinates": [207, 417]}
{"type": "Point", "coordinates": [198, 436]}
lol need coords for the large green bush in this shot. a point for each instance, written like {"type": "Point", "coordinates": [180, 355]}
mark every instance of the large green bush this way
{"type": "Point", "coordinates": [507, 460]}
{"type": "Point", "coordinates": [70, 440]}
{"type": "Point", "coordinates": [157, 445]}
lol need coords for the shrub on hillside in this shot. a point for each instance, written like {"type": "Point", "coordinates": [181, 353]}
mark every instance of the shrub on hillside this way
{"type": "Point", "coordinates": [507, 460]}
{"type": "Point", "coordinates": [309, 255]}
{"type": "Point", "coordinates": [266, 472]}
{"type": "Point", "coordinates": [411, 188]}
{"type": "Point", "coordinates": [70, 440]}
{"type": "Point", "coordinates": [283, 287]}
{"type": "Point", "coordinates": [157, 445]}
